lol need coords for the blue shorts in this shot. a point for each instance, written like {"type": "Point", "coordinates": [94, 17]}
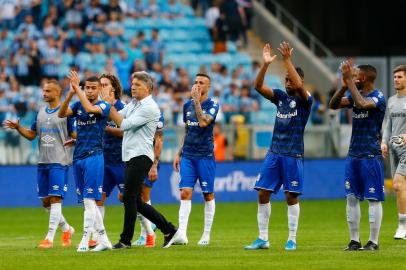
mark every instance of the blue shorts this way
{"type": "Point", "coordinates": [89, 174]}
{"type": "Point", "coordinates": [113, 176]}
{"type": "Point", "coordinates": [149, 183]}
{"type": "Point", "coordinates": [278, 170]}
{"type": "Point", "coordinates": [192, 170]}
{"type": "Point", "coordinates": [364, 178]}
{"type": "Point", "coordinates": [52, 180]}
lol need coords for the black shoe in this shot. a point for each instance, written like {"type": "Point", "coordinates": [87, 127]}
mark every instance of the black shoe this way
{"type": "Point", "coordinates": [353, 245]}
{"type": "Point", "coordinates": [370, 246]}
{"type": "Point", "coordinates": [120, 245]}
{"type": "Point", "coordinates": [170, 238]}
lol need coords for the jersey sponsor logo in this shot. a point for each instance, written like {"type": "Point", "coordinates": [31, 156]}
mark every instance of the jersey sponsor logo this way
{"type": "Point", "coordinates": [85, 123]}
{"type": "Point", "coordinates": [360, 115]}
{"type": "Point", "coordinates": [47, 140]}
{"type": "Point", "coordinates": [286, 115]}
{"type": "Point", "coordinates": [192, 123]}
{"type": "Point", "coordinates": [399, 114]}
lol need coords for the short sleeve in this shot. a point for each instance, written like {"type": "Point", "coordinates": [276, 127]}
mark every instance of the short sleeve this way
{"type": "Point", "coordinates": [34, 123]}
{"type": "Point", "coordinates": [213, 109]}
{"type": "Point", "coordinates": [379, 101]}
{"type": "Point", "coordinates": [277, 94]}
{"type": "Point", "coordinates": [71, 124]}
{"type": "Point", "coordinates": [161, 123]}
{"type": "Point", "coordinates": [105, 107]}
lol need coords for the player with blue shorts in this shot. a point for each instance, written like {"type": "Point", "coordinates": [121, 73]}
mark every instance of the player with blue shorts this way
{"type": "Point", "coordinates": [53, 161]}
{"type": "Point", "coordinates": [147, 235]}
{"type": "Point", "coordinates": [283, 164]}
{"type": "Point", "coordinates": [195, 159]}
{"type": "Point", "coordinates": [88, 163]}
{"type": "Point", "coordinates": [364, 177]}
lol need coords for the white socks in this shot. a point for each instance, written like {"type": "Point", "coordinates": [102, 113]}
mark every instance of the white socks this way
{"type": "Point", "coordinates": [184, 212]}
{"type": "Point", "coordinates": [99, 226]}
{"type": "Point", "coordinates": [293, 220]}
{"type": "Point", "coordinates": [402, 221]}
{"type": "Point", "coordinates": [63, 223]}
{"type": "Point", "coordinates": [55, 214]}
{"type": "Point", "coordinates": [264, 212]}
{"type": "Point", "coordinates": [89, 217]}
{"type": "Point", "coordinates": [353, 217]}
{"type": "Point", "coordinates": [146, 225]}
{"type": "Point", "coordinates": [101, 210]}
{"type": "Point", "coordinates": [375, 220]}
{"type": "Point", "coordinates": [209, 210]}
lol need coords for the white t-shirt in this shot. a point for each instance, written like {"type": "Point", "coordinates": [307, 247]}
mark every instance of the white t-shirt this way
{"type": "Point", "coordinates": [212, 15]}
{"type": "Point", "coordinates": [7, 11]}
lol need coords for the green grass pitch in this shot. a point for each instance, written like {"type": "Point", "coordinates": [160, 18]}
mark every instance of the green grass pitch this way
{"type": "Point", "coordinates": [322, 235]}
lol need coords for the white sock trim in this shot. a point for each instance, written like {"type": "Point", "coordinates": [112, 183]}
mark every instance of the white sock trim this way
{"type": "Point", "coordinates": [184, 213]}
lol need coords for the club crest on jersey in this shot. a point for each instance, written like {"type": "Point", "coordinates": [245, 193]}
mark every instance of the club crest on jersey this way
{"type": "Point", "coordinates": [292, 104]}
{"type": "Point", "coordinates": [212, 110]}
{"type": "Point", "coordinates": [79, 112]}
{"type": "Point", "coordinates": [280, 103]}
{"type": "Point", "coordinates": [188, 113]}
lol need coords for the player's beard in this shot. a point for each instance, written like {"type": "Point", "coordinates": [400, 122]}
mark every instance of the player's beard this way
{"type": "Point", "coordinates": [290, 91]}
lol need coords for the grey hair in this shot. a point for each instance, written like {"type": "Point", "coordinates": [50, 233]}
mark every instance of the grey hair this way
{"type": "Point", "coordinates": [144, 77]}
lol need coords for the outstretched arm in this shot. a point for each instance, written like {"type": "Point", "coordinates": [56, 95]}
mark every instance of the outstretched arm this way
{"type": "Point", "coordinates": [297, 81]}
{"type": "Point", "coordinates": [65, 111]}
{"type": "Point", "coordinates": [264, 90]}
{"type": "Point", "coordinates": [25, 132]}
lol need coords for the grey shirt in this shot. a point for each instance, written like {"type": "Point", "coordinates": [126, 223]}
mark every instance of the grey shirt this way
{"type": "Point", "coordinates": [139, 125]}
{"type": "Point", "coordinates": [395, 118]}
{"type": "Point", "coordinates": [52, 132]}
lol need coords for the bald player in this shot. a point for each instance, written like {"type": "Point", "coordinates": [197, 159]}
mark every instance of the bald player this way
{"type": "Point", "coordinates": [54, 159]}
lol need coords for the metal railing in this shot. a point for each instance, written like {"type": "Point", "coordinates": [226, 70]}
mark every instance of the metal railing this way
{"type": "Point", "coordinates": [301, 32]}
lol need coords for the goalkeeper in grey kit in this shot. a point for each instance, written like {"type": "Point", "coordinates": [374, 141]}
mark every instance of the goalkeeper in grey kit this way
{"type": "Point", "coordinates": [394, 144]}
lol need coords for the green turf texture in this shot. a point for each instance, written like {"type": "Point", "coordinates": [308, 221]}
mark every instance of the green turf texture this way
{"type": "Point", "coordinates": [322, 235]}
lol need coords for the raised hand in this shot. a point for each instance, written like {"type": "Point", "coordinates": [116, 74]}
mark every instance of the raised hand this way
{"type": "Point", "coordinates": [196, 93]}
{"type": "Point", "coordinates": [105, 95]}
{"type": "Point", "coordinates": [11, 124]}
{"type": "Point", "coordinates": [285, 50]}
{"type": "Point", "coordinates": [266, 54]}
{"type": "Point", "coordinates": [74, 78]}
{"type": "Point", "coordinates": [346, 70]}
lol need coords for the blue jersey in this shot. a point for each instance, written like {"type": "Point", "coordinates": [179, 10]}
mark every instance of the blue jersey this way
{"type": "Point", "coordinates": [291, 118]}
{"type": "Point", "coordinates": [366, 127]}
{"type": "Point", "coordinates": [199, 141]}
{"type": "Point", "coordinates": [112, 144]}
{"type": "Point", "coordinates": [90, 129]}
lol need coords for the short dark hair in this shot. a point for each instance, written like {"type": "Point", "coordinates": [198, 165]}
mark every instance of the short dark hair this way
{"type": "Point", "coordinates": [115, 83]}
{"type": "Point", "coordinates": [370, 72]}
{"type": "Point", "coordinates": [203, 75]}
{"type": "Point", "coordinates": [299, 71]}
{"type": "Point", "coordinates": [400, 69]}
{"type": "Point", "coordinates": [92, 79]}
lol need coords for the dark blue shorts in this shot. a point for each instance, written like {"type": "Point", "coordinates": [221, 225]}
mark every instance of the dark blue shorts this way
{"type": "Point", "coordinates": [113, 177]}
{"type": "Point", "coordinates": [52, 180]}
{"type": "Point", "coordinates": [202, 169]}
{"type": "Point", "coordinates": [278, 170]}
{"type": "Point", "coordinates": [89, 173]}
{"type": "Point", "coordinates": [364, 178]}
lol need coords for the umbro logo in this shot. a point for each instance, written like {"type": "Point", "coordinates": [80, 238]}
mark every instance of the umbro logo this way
{"type": "Point", "coordinates": [371, 190]}
{"type": "Point", "coordinates": [294, 183]}
{"type": "Point", "coordinates": [55, 187]}
{"type": "Point", "coordinates": [90, 190]}
{"type": "Point", "coordinates": [47, 139]}
{"type": "Point", "coordinates": [347, 184]}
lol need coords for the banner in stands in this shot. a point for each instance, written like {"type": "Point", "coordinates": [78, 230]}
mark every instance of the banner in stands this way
{"type": "Point", "coordinates": [234, 182]}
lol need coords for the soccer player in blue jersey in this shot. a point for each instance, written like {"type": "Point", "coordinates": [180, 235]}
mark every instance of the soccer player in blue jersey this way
{"type": "Point", "coordinates": [283, 164]}
{"type": "Point", "coordinates": [54, 159]}
{"type": "Point", "coordinates": [147, 235]}
{"type": "Point", "coordinates": [88, 162]}
{"type": "Point", "coordinates": [364, 178]}
{"type": "Point", "coordinates": [195, 159]}
{"type": "Point", "coordinates": [113, 164]}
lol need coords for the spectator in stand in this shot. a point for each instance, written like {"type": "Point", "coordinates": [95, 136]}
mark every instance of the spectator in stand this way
{"type": "Point", "coordinates": [134, 50]}
{"type": "Point", "coordinates": [21, 63]}
{"type": "Point", "coordinates": [114, 6]}
{"type": "Point", "coordinates": [34, 76]}
{"type": "Point", "coordinates": [72, 13]}
{"type": "Point", "coordinates": [220, 143]}
{"type": "Point", "coordinates": [154, 53]}
{"type": "Point", "coordinates": [5, 68]}
{"type": "Point", "coordinates": [8, 12]}
{"type": "Point", "coordinates": [153, 9]}
{"type": "Point", "coordinates": [92, 10]}
{"type": "Point", "coordinates": [137, 9]}
{"type": "Point", "coordinates": [231, 103]}
{"type": "Point", "coordinates": [211, 16]}
{"type": "Point", "coordinates": [115, 31]}
{"type": "Point", "coordinates": [220, 31]}
{"type": "Point", "coordinates": [76, 41]}
{"type": "Point", "coordinates": [173, 9]}
{"type": "Point", "coordinates": [50, 59]}
{"type": "Point", "coordinates": [317, 114]}
{"type": "Point", "coordinates": [233, 18]}
{"type": "Point", "coordinates": [246, 11]}
{"type": "Point", "coordinates": [97, 32]}
{"type": "Point", "coordinates": [240, 147]}
{"type": "Point", "coordinates": [123, 66]}
{"type": "Point", "coordinates": [247, 103]}
{"type": "Point", "coordinates": [29, 25]}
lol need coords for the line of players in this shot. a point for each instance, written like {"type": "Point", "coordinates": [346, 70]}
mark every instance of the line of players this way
{"type": "Point", "coordinates": [97, 153]}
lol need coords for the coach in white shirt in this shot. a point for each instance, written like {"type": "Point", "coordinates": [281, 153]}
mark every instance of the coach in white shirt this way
{"type": "Point", "coordinates": [139, 120]}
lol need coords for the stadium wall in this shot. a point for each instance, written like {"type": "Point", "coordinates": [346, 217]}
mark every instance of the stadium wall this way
{"type": "Point", "coordinates": [234, 182]}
